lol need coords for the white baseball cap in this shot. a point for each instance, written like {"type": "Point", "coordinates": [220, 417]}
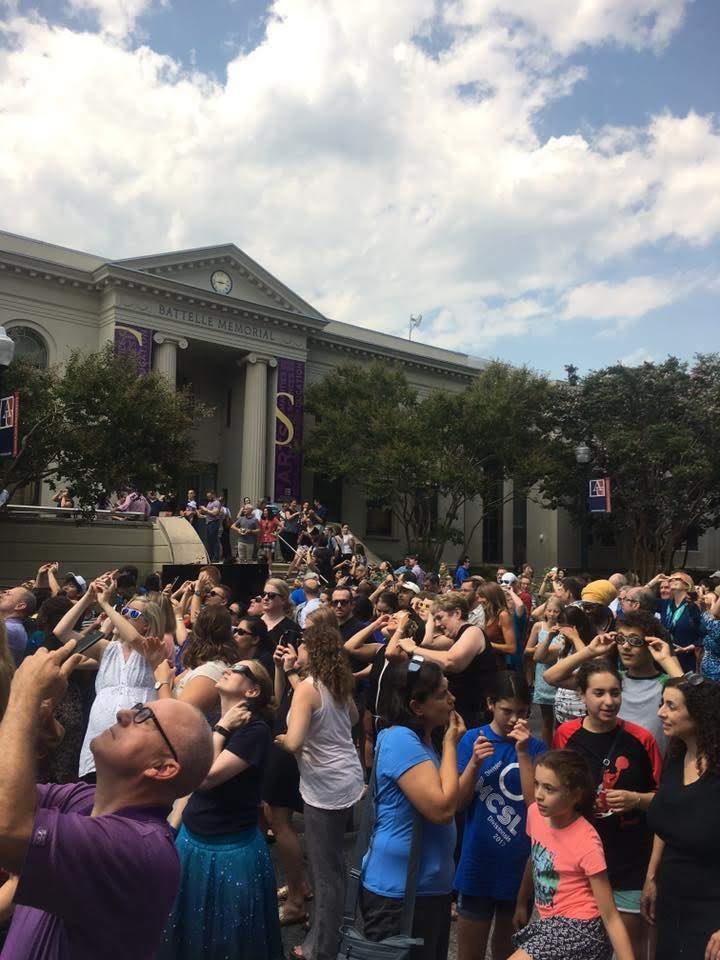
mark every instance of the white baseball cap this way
{"type": "Point", "coordinates": [508, 579]}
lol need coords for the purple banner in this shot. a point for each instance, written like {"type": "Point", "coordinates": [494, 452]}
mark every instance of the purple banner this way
{"type": "Point", "coordinates": [134, 342]}
{"type": "Point", "coordinates": [289, 410]}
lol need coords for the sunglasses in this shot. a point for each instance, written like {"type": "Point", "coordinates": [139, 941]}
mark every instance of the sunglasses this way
{"type": "Point", "coordinates": [217, 593]}
{"type": "Point", "coordinates": [630, 640]}
{"type": "Point", "coordinates": [692, 679]}
{"type": "Point", "coordinates": [267, 595]}
{"type": "Point", "coordinates": [340, 603]}
{"type": "Point", "coordinates": [141, 713]}
{"type": "Point", "coordinates": [131, 613]}
{"type": "Point", "coordinates": [244, 672]}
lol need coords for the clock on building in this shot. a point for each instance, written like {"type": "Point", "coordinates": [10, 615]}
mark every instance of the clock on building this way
{"type": "Point", "coordinates": [221, 282]}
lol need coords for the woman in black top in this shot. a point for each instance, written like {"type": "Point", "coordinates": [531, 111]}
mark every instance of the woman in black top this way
{"type": "Point", "coordinates": [227, 903]}
{"type": "Point", "coordinates": [682, 889]}
{"type": "Point", "coordinates": [463, 653]}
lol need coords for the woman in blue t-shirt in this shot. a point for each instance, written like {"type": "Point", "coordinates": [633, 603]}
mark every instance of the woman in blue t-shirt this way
{"type": "Point", "coordinates": [412, 781]}
{"type": "Point", "coordinates": [496, 763]}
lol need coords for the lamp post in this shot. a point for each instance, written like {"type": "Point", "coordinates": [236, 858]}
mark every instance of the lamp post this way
{"type": "Point", "coordinates": [583, 456]}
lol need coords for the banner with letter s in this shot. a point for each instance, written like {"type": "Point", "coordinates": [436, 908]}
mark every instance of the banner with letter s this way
{"type": "Point", "coordinates": [289, 411]}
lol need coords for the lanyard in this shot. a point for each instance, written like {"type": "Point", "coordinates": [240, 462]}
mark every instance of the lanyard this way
{"type": "Point", "coordinates": [675, 617]}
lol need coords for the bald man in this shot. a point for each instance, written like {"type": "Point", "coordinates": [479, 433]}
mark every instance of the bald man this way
{"type": "Point", "coordinates": [98, 871]}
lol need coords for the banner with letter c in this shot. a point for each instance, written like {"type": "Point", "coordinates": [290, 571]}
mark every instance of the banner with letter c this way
{"type": "Point", "coordinates": [289, 411]}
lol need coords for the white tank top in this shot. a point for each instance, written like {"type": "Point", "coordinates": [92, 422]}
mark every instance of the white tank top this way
{"type": "Point", "coordinates": [330, 773]}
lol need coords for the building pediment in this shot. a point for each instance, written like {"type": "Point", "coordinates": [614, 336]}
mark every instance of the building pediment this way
{"type": "Point", "coordinates": [225, 270]}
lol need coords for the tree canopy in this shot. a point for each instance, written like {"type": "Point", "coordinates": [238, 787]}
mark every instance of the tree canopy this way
{"type": "Point", "coordinates": [97, 425]}
{"type": "Point", "coordinates": [655, 431]}
{"type": "Point", "coordinates": [425, 457]}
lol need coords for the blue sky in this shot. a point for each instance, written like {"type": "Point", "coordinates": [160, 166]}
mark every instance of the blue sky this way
{"type": "Point", "coordinates": [542, 184]}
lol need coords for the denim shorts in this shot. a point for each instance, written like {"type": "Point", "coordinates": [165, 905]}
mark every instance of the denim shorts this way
{"type": "Point", "coordinates": [483, 908]}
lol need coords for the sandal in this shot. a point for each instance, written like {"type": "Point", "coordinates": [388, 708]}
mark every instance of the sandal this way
{"type": "Point", "coordinates": [292, 921]}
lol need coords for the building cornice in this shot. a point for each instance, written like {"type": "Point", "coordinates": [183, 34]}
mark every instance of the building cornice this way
{"type": "Point", "coordinates": [367, 351]}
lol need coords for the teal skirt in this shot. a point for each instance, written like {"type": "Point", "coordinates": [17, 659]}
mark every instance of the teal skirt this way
{"type": "Point", "coordinates": [226, 908]}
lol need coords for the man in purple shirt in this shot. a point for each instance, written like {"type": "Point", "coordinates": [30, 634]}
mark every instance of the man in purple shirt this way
{"type": "Point", "coordinates": [98, 871]}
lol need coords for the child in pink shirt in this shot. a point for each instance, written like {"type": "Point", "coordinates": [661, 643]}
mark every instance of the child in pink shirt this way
{"type": "Point", "coordinates": [578, 919]}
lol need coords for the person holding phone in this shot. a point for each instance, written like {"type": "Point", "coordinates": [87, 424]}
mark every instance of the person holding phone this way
{"type": "Point", "coordinates": [219, 837]}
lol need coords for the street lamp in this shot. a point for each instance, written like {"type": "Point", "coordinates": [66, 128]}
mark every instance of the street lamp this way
{"type": "Point", "coordinates": [583, 456]}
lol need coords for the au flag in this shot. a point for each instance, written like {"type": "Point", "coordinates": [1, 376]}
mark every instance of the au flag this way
{"type": "Point", "coordinates": [599, 495]}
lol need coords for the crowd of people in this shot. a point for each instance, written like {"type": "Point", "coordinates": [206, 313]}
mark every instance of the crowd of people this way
{"type": "Point", "coordinates": [541, 757]}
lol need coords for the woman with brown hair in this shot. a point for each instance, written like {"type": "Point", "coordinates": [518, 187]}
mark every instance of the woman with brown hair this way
{"type": "Point", "coordinates": [331, 778]}
{"type": "Point", "coordinates": [210, 649]}
{"type": "Point", "coordinates": [498, 627]}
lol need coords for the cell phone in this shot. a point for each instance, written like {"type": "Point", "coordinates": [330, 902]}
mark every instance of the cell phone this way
{"type": "Point", "coordinates": [90, 640]}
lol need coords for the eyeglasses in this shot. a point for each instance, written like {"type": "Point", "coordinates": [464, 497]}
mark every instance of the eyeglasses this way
{"type": "Point", "coordinates": [630, 640]}
{"type": "Point", "coordinates": [244, 672]}
{"type": "Point", "coordinates": [242, 633]}
{"type": "Point", "coordinates": [142, 713]}
{"type": "Point", "coordinates": [692, 679]}
{"type": "Point", "coordinates": [267, 595]}
{"type": "Point", "coordinates": [256, 599]}
{"type": "Point", "coordinates": [340, 603]}
{"type": "Point", "coordinates": [629, 600]}
{"type": "Point", "coordinates": [131, 613]}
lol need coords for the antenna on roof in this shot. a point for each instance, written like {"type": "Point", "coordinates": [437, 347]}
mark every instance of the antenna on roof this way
{"type": "Point", "coordinates": [414, 322]}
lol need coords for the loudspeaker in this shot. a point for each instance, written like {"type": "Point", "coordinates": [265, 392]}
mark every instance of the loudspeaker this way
{"type": "Point", "coordinates": [246, 580]}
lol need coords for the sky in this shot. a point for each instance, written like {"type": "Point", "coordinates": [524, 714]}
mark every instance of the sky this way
{"type": "Point", "coordinates": [539, 180]}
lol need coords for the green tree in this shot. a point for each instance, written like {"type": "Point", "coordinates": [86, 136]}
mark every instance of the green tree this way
{"type": "Point", "coordinates": [97, 425]}
{"type": "Point", "coordinates": [655, 431]}
{"type": "Point", "coordinates": [426, 457]}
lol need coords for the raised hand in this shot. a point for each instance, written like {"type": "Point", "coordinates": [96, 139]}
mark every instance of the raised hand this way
{"type": "Point", "coordinates": [482, 749]}
{"type": "Point", "coordinates": [456, 728]}
{"type": "Point", "coordinates": [659, 649]}
{"type": "Point", "coordinates": [44, 675]}
{"type": "Point", "coordinates": [520, 733]}
{"type": "Point", "coordinates": [602, 644]}
{"type": "Point", "coordinates": [153, 649]}
{"type": "Point", "coordinates": [235, 717]}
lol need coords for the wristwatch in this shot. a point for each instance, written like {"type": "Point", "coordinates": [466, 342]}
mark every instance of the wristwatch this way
{"type": "Point", "coordinates": [161, 683]}
{"type": "Point", "coordinates": [223, 731]}
{"type": "Point", "coordinates": [292, 671]}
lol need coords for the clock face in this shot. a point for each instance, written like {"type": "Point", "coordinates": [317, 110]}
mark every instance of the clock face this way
{"type": "Point", "coordinates": [221, 282]}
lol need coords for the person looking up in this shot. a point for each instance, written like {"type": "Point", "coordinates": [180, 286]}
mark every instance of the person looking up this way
{"type": "Point", "coordinates": [681, 617]}
{"type": "Point", "coordinates": [413, 781]}
{"type": "Point", "coordinates": [681, 895]}
{"type": "Point", "coordinates": [124, 676]}
{"type": "Point", "coordinates": [219, 837]}
{"type": "Point", "coordinates": [253, 643]}
{"type": "Point", "coordinates": [625, 764]}
{"type": "Point", "coordinates": [61, 839]}
{"type": "Point", "coordinates": [16, 606]}
{"type": "Point", "coordinates": [495, 761]}
{"type": "Point", "coordinates": [461, 651]}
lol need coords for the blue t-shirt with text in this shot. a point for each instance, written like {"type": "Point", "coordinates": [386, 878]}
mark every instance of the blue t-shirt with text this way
{"type": "Point", "coordinates": [495, 846]}
{"type": "Point", "coordinates": [385, 864]}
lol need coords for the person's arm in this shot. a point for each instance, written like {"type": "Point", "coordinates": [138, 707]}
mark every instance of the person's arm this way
{"type": "Point", "coordinates": [200, 692]}
{"type": "Point", "coordinates": [7, 895]}
{"type": "Point", "coordinates": [560, 674]}
{"type": "Point", "coordinates": [481, 750]}
{"type": "Point", "coordinates": [454, 660]}
{"type": "Point", "coordinates": [509, 641]}
{"type": "Point", "coordinates": [226, 764]}
{"type": "Point", "coordinates": [538, 613]}
{"type": "Point", "coordinates": [521, 916]}
{"type": "Point", "coordinates": [384, 584]}
{"type": "Point", "coordinates": [65, 629]}
{"type": "Point", "coordinates": [648, 897]}
{"type": "Point", "coordinates": [433, 792]}
{"type": "Point", "coordinates": [542, 653]}
{"type": "Point", "coordinates": [304, 699]}
{"type": "Point", "coordinates": [360, 639]}
{"type": "Point", "coordinates": [611, 918]}
{"type": "Point", "coordinates": [43, 676]}
{"type": "Point", "coordinates": [520, 733]}
{"type": "Point", "coordinates": [196, 599]}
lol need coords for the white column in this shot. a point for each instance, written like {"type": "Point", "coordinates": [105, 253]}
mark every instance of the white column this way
{"type": "Point", "coordinates": [254, 448]}
{"type": "Point", "coordinates": [165, 355]}
{"type": "Point", "coordinates": [270, 450]}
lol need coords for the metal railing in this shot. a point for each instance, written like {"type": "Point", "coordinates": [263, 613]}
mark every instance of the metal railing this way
{"type": "Point", "coordinates": [70, 513]}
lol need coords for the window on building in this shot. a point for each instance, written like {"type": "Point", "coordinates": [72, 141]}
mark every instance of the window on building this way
{"type": "Point", "coordinates": [29, 345]}
{"type": "Point", "coordinates": [378, 520]}
{"type": "Point", "coordinates": [228, 408]}
{"type": "Point", "coordinates": [492, 522]}
{"type": "Point", "coordinates": [519, 527]}
{"type": "Point", "coordinates": [329, 493]}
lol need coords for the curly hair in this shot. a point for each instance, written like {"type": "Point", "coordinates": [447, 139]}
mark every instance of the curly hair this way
{"type": "Point", "coordinates": [211, 638]}
{"type": "Point", "coordinates": [327, 661]}
{"type": "Point", "coordinates": [324, 617]}
{"type": "Point", "coordinates": [703, 705]}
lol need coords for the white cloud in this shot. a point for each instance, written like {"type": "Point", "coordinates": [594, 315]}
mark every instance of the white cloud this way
{"type": "Point", "coordinates": [351, 163]}
{"type": "Point", "coordinates": [637, 357]}
{"type": "Point", "coordinates": [115, 17]}
{"type": "Point", "coordinates": [625, 301]}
